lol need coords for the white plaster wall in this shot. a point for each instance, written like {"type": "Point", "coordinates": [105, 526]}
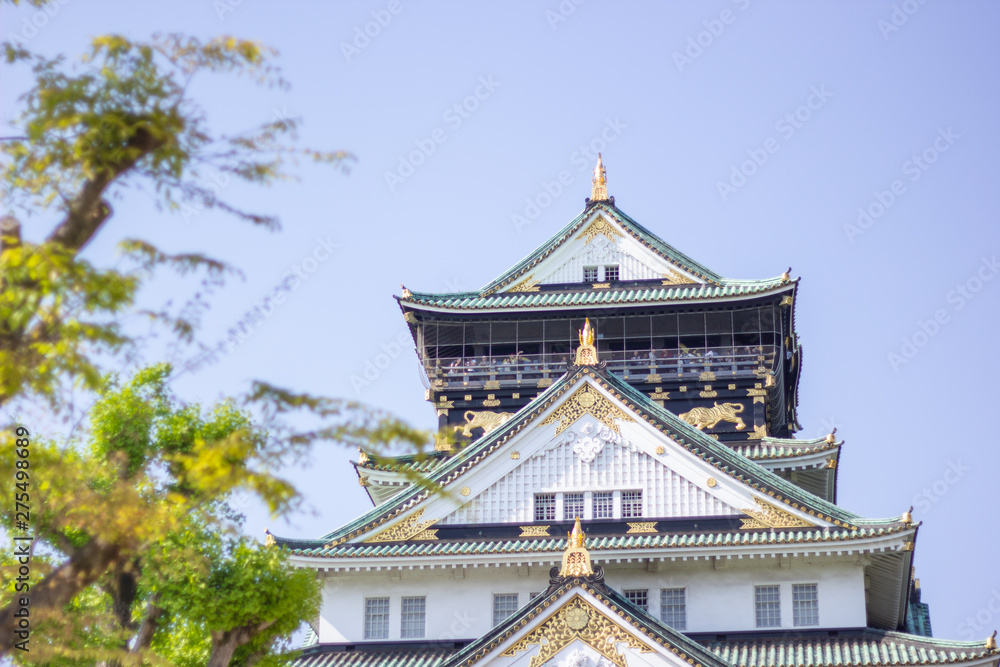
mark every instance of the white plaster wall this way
{"type": "Point", "coordinates": [460, 602]}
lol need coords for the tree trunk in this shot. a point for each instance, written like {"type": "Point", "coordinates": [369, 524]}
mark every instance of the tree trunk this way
{"type": "Point", "coordinates": [84, 567]}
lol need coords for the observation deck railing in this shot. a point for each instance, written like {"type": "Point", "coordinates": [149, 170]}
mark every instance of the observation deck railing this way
{"type": "Point", "coordinates": [658, 365]}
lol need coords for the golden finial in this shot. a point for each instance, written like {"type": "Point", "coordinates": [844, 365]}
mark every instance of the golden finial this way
{"type": "Point", "coordinates": [406, 293]}
{"type": "Point", "coordinates": [599, 190]}
{"type": "Point", "coordinates": [269, 540]}
{"type": "Point", "coordinates": [576, 559]}
{"type": "Point", "coordinates": [830, 439]}
{"type": "Point", "coordinates": [362, 456]}
{"type": "Point", "coordinates": [586, 354]}
{"type": "Point", "coordinates": [991, 642]}
{"type": "Point", "coordinates": [787, 275]}
{"type": "Point", "coordinates": [908, 516]}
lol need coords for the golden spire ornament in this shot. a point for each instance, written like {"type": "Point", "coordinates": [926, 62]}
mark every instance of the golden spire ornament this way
{"type": "Point", "coordinates": [576, 559]}
{"type": "Point", "coordinates": [586, 354]}
{"type": "Point", "coordinates": [599, 189]}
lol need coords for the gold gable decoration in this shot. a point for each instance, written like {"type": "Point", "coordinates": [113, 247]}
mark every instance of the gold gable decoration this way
{"type": "Point", "coordinates": [578, 619]}
{"type": "Point", "coordinates": [586, 354]}
{"type": "Point", "coordinates": [529, 284]}
{"type": "Point", "coordinates": [576, 558]}
{"type": "Point", "coordinates": [768, 516]}
{"type": "Point", "coordinates": [672, 277]}
{"type": "Point", "coordinates": [587, 401]}
{"type": "Point", "coordinates": [599, 226]}
{"type": "Point", "coordinates": [410, 528]}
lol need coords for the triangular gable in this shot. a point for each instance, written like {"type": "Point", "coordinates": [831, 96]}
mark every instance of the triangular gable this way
{"type": "Point", "coordinates": [643, 255]}
{"type": "Point", "coordinates": [602, 239]}
{"type": "Point", "coordinates": [759, 493]}
{"type": "Point", "coordinates": [581, 623]}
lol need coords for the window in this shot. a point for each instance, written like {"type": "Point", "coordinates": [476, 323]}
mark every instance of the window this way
{"type": "Point", "coordinates": [414, 614]}
{"type": "Point", "coordinates": [637, 596]}
{"type": "Point", "coordinates": [376, 618]}
{"type": "Point", "coordinates": [590, 274]}
{"type": "Point", "coordinates": [673, 608]}
{"type": "Point", "coordinates": [631, 504]}
{"type": "Point", "coordinates": [610, 273]}
{"type": "Point", "coordinates": [572, 506]}
{"type": "Point", "coordinates": [767, 605]}
{"type": "Point", "coordinates": [805, 604]}
{"type": "Point", "coordinates": [604, 505]}
{"type": "Point", "coordinates": [504, 604]}
{"type": "Point", "coordinates": [545, 507]}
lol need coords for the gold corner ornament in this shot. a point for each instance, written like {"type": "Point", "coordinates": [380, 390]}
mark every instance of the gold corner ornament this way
{"type": "Point", "coordinates": [362, 456]}
{"type": "Point", "coordinates": [769, 516]}
{"type": "Point", "coordinates": [529, 284]}
{"type": "Point", "coordinates": [991, 642]}
{"type": "Point", "coordinates": [576, 558]}
{"type": "Point", "coordinates": [600, 226]}
{"type": "Point", "coordinates": [831, 437]}
{"type": "Point", "coordinates": [787, 275]}
{"type": "Point", "coordinates": [586, 354]}
{"type": "Point", "coordinates": [406, 293]}
{"type": "Point", "coordinates": [269, 540]}
{"type": "Point", "coordinates": [587, 401]}
{"type": "Point", "coordinates": [410, 528]}
{"type": "Point", "coordinates": [578, 620]}
{"type": "Point", "coordinates": [599, 187]}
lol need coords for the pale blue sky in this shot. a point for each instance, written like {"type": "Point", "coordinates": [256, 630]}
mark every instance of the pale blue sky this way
{"type": "Point", "coordinates": [673, 130]}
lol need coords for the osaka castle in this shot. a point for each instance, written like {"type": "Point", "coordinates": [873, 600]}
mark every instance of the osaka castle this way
{"type": "Point", "coordinates": [619, 485]}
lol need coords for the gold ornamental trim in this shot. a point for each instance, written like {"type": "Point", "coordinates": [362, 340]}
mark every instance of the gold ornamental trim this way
{"type": "Point", "coordinates": [642, 527]}
{"type": "Point", "coordinates": [486, 419]}
{"type": "Point", "coordinates": [534, 531]}
{"type": "Point", "coordinates": [601, 226]}
{"type": "Point", "coordinates": [673, 278]}
{"type": "Point", "coordinates": [768, 516]}
{"type": "Point", "coordinates": [578, 619]}
{"type": "Point", "coordinates": [600, 285]}
{"type": "Point", "coordinates": [587, 401]}
{"type": "Point", "coordinates": [410, 528]}
{"type": "Point", "coordinates": [526, 285]}
{"type": "Point", "coordinates": [759, 433]}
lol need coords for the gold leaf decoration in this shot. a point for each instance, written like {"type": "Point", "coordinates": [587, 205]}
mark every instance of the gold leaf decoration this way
{"type": "Point", "coordinates": [534, 531]}
{"type": "Point", "coordinates": [601, 226]}
{"type": "Point", "coordinates": [674, 278]}
{"type": "Point", "coordinates": [407, 529]}
{"type": "Point", "coordinates": [768, 516]}
{"type": "Point", "coordinates": [587, 401]}
{"type": "Point", "coordinates": [578, 619]}
{"type": "Point", "coordinates": [526, 285]}
{"type": "Point", "coordinates": [642, 527]}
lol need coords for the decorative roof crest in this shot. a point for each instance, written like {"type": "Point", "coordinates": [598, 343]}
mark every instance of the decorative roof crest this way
{"type": "Point", "coordinates": [599, 188]}
{"type": "Point", "coordinates": [586, 354]}
{"type": "Point", "coordinates": [576, 559]}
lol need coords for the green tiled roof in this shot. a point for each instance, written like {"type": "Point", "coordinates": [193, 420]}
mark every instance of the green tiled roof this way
{"type": "Point", "coordinates": [773, 448]}
{"type": "Point", "coordinates": [717, 454]}
{"type": "Point", "coordinates": [316, 548]}
{"type": "Point", "coordinates": [591, 297]}
{"type": "Point", "coordinates": [869, 647]}
{"type": "Point", "coordinates": [395, 657]}
{"type": "Point", "coordinates": [407, 463]}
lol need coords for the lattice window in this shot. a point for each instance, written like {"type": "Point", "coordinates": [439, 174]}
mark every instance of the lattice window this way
{"type": "Point", "coordinates": [572, 506]}
{"type": "Point", "coordinates": [631, 504]}
{"type": "Point", "coordinates": [610, 273]}
{"type": "Point", "coordinates": [376, 618]}
{"type": "Point", "coordinates": [545, 507]}
{"type": "Point", "coordinates": [604, 505]}
{"type": "Point", "coordinates": [414, 617]}
{"type": "Point", "coordinates": [504, 604]}
{"type": "Point", "coordinates": [637, 596]}
{"type": "Point", "coordinates": [590, 274]}
{"type": "Point", "coordinates": [767, 605]}
{"type": "Point", "coordinates": [673, 608]}
{"type": "Point", "coordinates": [805, 604]}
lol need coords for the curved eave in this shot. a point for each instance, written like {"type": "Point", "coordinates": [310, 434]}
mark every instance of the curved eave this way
{"type": "Point", "coordinates": [783, 456]}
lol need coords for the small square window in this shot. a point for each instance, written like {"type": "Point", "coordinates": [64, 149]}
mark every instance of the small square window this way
{"type": "Point", "coordinates": [590, 274]}
{"type": "Point", "coordinates": [545, 507]}
{"type": "Point", "coordinates": [805, 604]}
{"type": "Point", "coordinates": [376, 618]}
{"type": "Point", "coordinates": [767, 605]}
{"type": "Point", "coordinates": [637, 596]}
{"type": "Point", "coordinates": [572, 506]}
{"type": "Point", "coordinates": [504, 604]}
{"type": "Point", "coordinates": [631, 504]}
{"type": "Point", "coordinates": [610, 273]}
{"type": "Point", "coordinates": [673, 608]}
{"type": "Point", "coordinates": [413, 618]}
{"type": "Point", "coordinates": [604, 505]}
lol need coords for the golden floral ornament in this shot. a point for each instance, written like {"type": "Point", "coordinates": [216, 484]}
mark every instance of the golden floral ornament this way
{"type": "Point", "coordinates": [711, 482]}
{"type": "Point", "coordinates": [767, 515]}
{"type": "Point", "coordinates": [587, 400]}
{"type": "Point", "coordinates": [600, 226]}
{"type": "Point", "coordinates": [529, 284]}
{"type": "Point", "coordinates": [465, 491]}
{"type": "Point", "coordinates": [409, 528]}
{"type": "Point", "coordinates": [578, 620]}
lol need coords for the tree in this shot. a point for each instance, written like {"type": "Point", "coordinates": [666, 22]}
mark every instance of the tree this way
{"type": "Point", "coordinates": [110, 500]}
